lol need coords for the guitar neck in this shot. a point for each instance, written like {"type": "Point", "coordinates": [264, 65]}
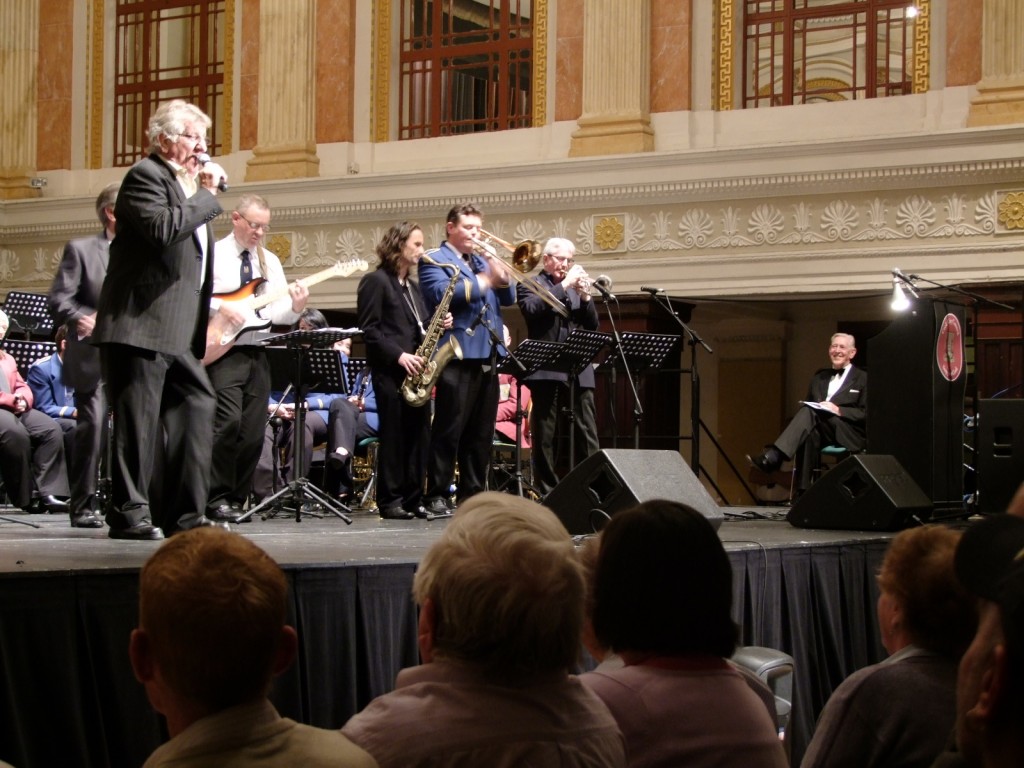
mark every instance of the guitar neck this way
{"type": "Point", "coordinates": [258, 302]}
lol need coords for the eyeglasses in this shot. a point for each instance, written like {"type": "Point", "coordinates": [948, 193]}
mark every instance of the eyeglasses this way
{"type": "Point", "coordinates": [563, 259]}
{"type": "Point", "coordinates": [192, 137]}
{"type": "Point", "coordinates": [255, 227]}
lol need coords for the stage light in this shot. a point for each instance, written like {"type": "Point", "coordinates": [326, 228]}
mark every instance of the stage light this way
{"type": "Point", "coordinates": [900, 302]}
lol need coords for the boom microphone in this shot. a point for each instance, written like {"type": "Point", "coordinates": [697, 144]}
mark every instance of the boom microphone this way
{"type": "Point", "coordinates": [650, 290]}
{"type": "Point", "coordinates": [203, 159]}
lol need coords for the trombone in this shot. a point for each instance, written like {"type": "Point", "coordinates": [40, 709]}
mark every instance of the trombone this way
{"type": "Point", "coordinates": [524, 257]}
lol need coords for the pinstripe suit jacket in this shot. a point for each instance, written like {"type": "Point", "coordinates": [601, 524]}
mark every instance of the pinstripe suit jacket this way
{"type": "Point", "coordinates": [156, 295]}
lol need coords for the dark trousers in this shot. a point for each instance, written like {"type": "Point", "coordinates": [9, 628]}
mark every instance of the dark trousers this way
{"type": "Point", "coordinates": [149, 390]}
{"type": "Point", "coordinates": [548, 399]}
{"type": "Point", "coordinates": [808, 432]}
{"type": "Point", "coordinates": [89, 448]}
{"type": "Point", "coordinates": [402, 453]}
{"type": "Point", "coordinates": [31, 451]}
{"type": "Point", "coordinates": [346, 426]}
{"type": "Point", "coordinates": [241, 381]}
{"type": "Point", "coordinates": [463, 428]}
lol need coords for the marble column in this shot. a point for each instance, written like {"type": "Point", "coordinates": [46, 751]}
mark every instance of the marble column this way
{"type": "Point", "coordinates": [616, 115]}
{"type": "Point", "coordinates": [286, 130]}
{"type": "Point", "coordinates": [1000, 97]}
{"type": "Point", "coordinates": [19, 56]}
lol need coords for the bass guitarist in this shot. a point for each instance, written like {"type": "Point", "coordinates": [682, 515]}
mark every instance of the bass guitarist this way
{"type": "Point", "coordinates": [241, 376]}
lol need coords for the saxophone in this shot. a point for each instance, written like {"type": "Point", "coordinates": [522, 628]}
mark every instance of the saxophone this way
{"type": "Point", "coordinates": [416, 389]}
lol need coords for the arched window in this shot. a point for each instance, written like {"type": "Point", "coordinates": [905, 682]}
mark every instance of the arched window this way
{"type": "Point", "coordinates": [465, 66]}
{"type": "Point", "coordinates": [166, 49]}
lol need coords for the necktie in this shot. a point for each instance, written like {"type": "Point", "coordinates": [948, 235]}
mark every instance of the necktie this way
{"type": "Point", "coordinates": [245, 271]}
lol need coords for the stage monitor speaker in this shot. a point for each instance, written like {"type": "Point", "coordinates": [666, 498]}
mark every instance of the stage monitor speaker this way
{"type": "Point", "coordinates": [999, 449]}
{"type": "Point", "coordinates": [615, 479]}
{"type": "Point", "coordinates": [865, 492]}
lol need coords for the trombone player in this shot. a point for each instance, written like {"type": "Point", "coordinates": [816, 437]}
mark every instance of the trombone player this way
{"type": "Point", "coordinates": [467, 390]}
{"type": "Point", "coordinates": [570, 285]}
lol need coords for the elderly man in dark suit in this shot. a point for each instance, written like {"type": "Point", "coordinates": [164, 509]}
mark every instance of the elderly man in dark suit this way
{"type": "Point", "coordinates": [151, 325]}
{"type": "Point", "coordinates": [564, 280]}
{"type": "Point", "coordinates": [834, 413]}
{"type": "Point", "coordinates": [74, 296]}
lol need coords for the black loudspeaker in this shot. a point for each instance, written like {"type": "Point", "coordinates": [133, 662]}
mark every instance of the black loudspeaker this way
{"type": "Point", "coordinates": [1000, 453]}
{"type": "Point", "coordinates": [615, 479]}
{"type": "Point", "coordinates": [864, 492]}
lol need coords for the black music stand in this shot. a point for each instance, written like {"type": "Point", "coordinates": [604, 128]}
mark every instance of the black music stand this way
{"type": "Point", "coordinates": [312, 360]}
{"type": "Point", "coordinates": [529, 357]}
{"type": "Point", "coordinates": [638, 353]}
{"type": "Point", "coordinates": [576, 353]}
{"type": "Point", "coordinates": [29, 313]}
{"type": "Point", "coordinates": [27, 352]}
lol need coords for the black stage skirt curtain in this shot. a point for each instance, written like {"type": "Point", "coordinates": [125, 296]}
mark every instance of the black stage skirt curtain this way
{"type": "Point", "coordinates": [68, 695]}
{"type": "Point", "coordinates": [818, 604]}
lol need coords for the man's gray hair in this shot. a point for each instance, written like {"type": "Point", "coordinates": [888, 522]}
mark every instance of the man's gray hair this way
{"type": "Point", "coordinates": [170, 118]}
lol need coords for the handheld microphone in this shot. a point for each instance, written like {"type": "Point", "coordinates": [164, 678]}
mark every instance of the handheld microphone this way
{"type": "Point", "coordinates": [479, 319]}
{"type": "Point", "coordinates": [650, 290]}
{"type": "Point", "coordinates": [603, 283]}
{"type": "Point", "coordinates": [203, 159]}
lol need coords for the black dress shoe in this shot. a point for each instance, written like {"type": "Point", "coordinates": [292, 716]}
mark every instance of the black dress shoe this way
{"type": "Point", "coordinates": [87, 519]}
{"type": "Point", "coordinates": [52, 505]}
{"type": "Point", "coordinates": [137, 532]}
{"type": "Point", "coordinates": [395, 513]}
{"type": "Point", "coordinates": [436, 508]}
{"type": "Point", "coordinates": [767, 462]}
{"type": "Point", "coordinates": [205, 522]}
{"type": "Point", "coordinates": [225, 513]}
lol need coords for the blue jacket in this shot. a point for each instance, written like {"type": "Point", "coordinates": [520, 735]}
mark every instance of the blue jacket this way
{"type": "Point", "coordinates": [467, 302]}
{"type": "Point", "coordinates": [45, 379]}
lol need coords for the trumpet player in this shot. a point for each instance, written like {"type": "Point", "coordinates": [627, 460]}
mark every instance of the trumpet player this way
{"type": "Point", "coordinates": [569, 283]}
{"type": "Point", "coordinates": [466, 401]}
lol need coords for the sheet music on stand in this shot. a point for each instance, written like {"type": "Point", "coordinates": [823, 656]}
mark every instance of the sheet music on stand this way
{"type": "Point", "coordinates": [578, 351]}
{"type": "Point", "coordinates": [29, 313]}
{"type": "Point", "coordinates": [534, 354]}
{"type": "Point", "coordinates": [27, 352]}
{"type": "Point", "coordinates": [643, 351]}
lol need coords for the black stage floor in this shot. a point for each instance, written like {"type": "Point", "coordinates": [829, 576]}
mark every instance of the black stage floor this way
{"type": "Point", "coordinates": [68, 603]}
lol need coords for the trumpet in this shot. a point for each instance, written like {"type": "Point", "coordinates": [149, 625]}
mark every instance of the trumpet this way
{"type": "Point", "coordinates": [523, 258]}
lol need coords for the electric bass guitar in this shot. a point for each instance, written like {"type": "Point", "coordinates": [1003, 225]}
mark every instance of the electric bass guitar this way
{"type": "Point", "coordinates": [221, 333]}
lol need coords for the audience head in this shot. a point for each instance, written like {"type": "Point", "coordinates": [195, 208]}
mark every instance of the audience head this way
{"type": "Point", "coordinates": [212, 630]}
{"type": "Point", "coordinates": [400, 247]}
{"type": "Point", "coordinates": [663, 584]}
{"type": "Point", "coordinates": [587, 553]}
{"type": "Point", "coordinates": [990, 685]}
{"type": "Point", "coordinates": [921, 601]}
{"type": "Point", "coordinates": [502, 589]}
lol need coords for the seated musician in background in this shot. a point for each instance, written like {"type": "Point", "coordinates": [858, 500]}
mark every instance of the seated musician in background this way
{"type": "Point", "coordinates": [350, 420]}
{"type": "Point", "coordinates": [509, 403]}
{"type": "Point", "coordinates": [46, 380]}
{"type": "Point", "coordinates": [241, 376]}
{"type": "Point", "coordinates": [834, 413]}
{"type": "Point", "coordinates": [282, 405]}
{"type": "Point", "coordinates": [31, 443]}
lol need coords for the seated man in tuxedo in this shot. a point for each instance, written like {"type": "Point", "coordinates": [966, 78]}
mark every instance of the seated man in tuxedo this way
{"type": "Point", "coordinates": [834, 413]}
{"type": "Point", "coordinates": [31, 445]}
{"type": "Point", "coordinates": [52, 397]}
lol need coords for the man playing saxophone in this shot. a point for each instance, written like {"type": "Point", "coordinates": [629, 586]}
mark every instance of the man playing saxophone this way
{"type": "Point", "coordinates": [467, 391]}
{"type": "Point", "coordinates": [393, 316]}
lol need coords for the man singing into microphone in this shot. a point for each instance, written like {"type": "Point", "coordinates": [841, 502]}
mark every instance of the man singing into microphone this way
{"type": "Point", "coordinates": [563, 279]}
{"type": "Point", "coordinates": [833, 414]}
{"type": "Point", "coordinates": [151, 327]}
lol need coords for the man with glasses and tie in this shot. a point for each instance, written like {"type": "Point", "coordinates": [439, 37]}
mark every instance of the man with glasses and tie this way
{"type": "Point", "coordinates": [151, 328]}
{"type": "Point", "coordinates": [834, 413]}
{"type": "Point", "coordinates": [241, 377]}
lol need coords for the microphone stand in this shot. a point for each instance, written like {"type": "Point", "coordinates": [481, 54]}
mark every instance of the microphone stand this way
{"type": "Point", "coordinates": [694, 340]}
{"type": "Point", "coordinates": [638, 409]}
